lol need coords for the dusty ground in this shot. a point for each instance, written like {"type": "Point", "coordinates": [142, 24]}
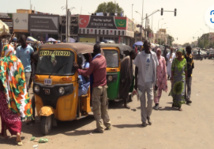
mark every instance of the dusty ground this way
{"type": "Point", "coordinates": [171, 129]}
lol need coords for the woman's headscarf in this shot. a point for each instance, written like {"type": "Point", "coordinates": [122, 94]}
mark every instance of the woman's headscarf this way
{"type": "Point", "coordinates": [181, 50]}
{"type": "Point", "coordinates": [12, 77]}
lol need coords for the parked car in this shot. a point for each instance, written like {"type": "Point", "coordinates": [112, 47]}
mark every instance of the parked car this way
{"type": "Point", "coordinates": [197, 55]}
{"type": "Point", "coordinates": [211, 54]}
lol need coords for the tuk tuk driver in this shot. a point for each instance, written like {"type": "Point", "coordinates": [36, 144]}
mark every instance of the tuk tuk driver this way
{"type": "Point", "coordinates": [99, 92]}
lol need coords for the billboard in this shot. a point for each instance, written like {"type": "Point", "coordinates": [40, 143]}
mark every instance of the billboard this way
{"type": "Point", "coordinates": [73, 25]}
{"type": "Point", "coordinates": [102, 22]}
{"type": "Point", "coordinates": [20, 22]}
{"type": "Point", "coordinates": [44, 23]}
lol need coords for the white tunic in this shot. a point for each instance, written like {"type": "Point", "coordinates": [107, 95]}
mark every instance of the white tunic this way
{"type": "Point", "coordinates": [169, 62]}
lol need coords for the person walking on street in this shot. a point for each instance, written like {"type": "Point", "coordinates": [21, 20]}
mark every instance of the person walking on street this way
{"type": "Point", "coordinates": [146, 64]}
{"type": "Point", "coordinates": [178, 79]}
{"type": "Point", "coordinates": [190, 67]}
{"type": "Point", "coordinates": [169, 57]}
{"type": "Point", "coordinates": [99, 94]}
{"type": "Point", "coordinates": [24, 53]}
{"type": "Point", "coordinates": [14, 98]}
{"type": "Point", "coordinates": [161, 78]}
{"type": "Point", "coordinates": [126, 77]}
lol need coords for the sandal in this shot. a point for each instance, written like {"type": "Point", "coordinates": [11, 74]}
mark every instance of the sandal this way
{"type": "Point", "coordinates": [19, 143]}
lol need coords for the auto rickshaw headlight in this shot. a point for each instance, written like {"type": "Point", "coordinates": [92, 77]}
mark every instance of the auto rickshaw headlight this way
{"type": "Point", "coordinates": [110, 78]}
{"type": "Point", "coordinates": [61, 90]}
{"type": "Point", "coordinates": [36, 88]}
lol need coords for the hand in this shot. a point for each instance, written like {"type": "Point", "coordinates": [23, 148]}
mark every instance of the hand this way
{"type": "Point", "coordinates": [134, 92]}
{"type": "Point", "coordinates": [76, 66]}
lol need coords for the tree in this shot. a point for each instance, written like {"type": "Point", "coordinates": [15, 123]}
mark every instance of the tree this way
{"type": "Point", "coordinates": [109, 7]}
{"type": "Point", "coordinates": [186, 44]}
{"type": "Point", "coordinates": [204, 41]}
{"type": "Point", "coordinates": [170, 39]}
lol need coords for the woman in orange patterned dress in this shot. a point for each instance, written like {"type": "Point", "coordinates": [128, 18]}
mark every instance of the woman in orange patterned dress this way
{"type": "Point", "coordinates": [15, 103]}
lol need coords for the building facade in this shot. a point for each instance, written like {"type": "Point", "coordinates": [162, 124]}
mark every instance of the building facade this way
{"type": "Point", "coordinates": [98, 28]}
{"type": "Point", "coordinates": [83, 28]}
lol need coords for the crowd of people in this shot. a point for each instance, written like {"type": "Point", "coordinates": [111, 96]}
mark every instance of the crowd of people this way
{"type": "Point", "coordinates": [152, 70]}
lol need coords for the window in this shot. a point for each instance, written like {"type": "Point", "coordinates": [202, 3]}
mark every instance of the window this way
{"type": "Point", "coordinates": [111, 58]}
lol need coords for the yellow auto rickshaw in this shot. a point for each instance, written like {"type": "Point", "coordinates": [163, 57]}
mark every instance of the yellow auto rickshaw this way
{"type": "Point", "coordinates": [56, 84]}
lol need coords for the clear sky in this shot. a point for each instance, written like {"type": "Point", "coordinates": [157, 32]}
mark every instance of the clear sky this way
{"type": "Point", "coordinates": [185, 27]}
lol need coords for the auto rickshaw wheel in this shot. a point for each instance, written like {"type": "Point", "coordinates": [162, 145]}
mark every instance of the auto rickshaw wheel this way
{"type": "Point", "coordinates": [46, 124]}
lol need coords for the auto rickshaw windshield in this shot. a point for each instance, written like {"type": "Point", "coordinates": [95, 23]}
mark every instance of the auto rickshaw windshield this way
{"type": "Point", "coordinates": [111, 58]}
{"type": "Point", "coordinates": [55, 62]}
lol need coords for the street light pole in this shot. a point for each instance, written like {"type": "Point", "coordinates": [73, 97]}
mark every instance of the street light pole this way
{"type": "Point", "coordinates": [132, 12]}
{"type": "Point", "coordinates": [66, 32]}
{"type": "Point", "coordinates": [142, 13]}
{"type": "Point", "coordinates": [116, 7]}
{"type": "Point", "coordinates": [202, 36]}
{"type": "Point", "coordinates": [142, 18]}
{"type": "Point", "coordinates": [141, 28]}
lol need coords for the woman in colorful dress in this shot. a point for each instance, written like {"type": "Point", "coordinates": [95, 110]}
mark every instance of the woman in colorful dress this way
{"type": "Point", "coordinates": [178, 78]}
{"type": "Point", "coordinates": [15, 103]}
{"type": "Point", "coordinates": [161, 78]}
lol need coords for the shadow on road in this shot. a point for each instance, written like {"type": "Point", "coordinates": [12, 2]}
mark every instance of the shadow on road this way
{"type": "Point", "coordinates": [116, 104]}
{"type": "Point", "coordinates": [128, 125]}
{"type": "Point", "coordinates": [167, 109]}
{"type": "Point", "coordinates": [10, 141]}
{"type": "Point", "coordinates": [61, 128]}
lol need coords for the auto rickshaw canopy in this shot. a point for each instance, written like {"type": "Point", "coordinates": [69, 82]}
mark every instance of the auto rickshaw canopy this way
{"type": "Point", "coordinates": [79, 48]}
{"type": "Point", "coordinates": [122, 48]}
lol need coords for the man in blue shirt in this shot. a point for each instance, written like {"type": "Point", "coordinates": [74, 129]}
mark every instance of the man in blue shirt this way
{"type": "Point", "coordinates": [24, 53]}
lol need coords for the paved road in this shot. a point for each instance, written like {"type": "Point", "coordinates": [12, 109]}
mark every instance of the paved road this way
{"type": "Point", "coordinates": [171, 129]}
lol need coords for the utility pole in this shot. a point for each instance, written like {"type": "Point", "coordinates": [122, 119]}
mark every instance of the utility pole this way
{"type": "Point", "coordinates": [66, 25]}
{"type": "Point", "coordinates": [142, 18]}
{"type": "Point", "coordinates": [116, 7]}
{"type": "Point", "coordinates": [132, 12]}
{"type": "Point", "coordinates": [146, 26]}
{"type": "Point", "coordinates": [30, 6]}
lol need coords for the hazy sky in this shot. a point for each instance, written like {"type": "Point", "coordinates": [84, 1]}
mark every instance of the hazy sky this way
{"type": "Point", "coordinates": [187, 25]}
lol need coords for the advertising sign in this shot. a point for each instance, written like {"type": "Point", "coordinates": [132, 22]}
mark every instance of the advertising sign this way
{"type": "Point", "coordinates": [20, 22]}
{"type": "Point", "coordinates": [43, 23]}
{"type": "Point", "coordinates": [102, 22]}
